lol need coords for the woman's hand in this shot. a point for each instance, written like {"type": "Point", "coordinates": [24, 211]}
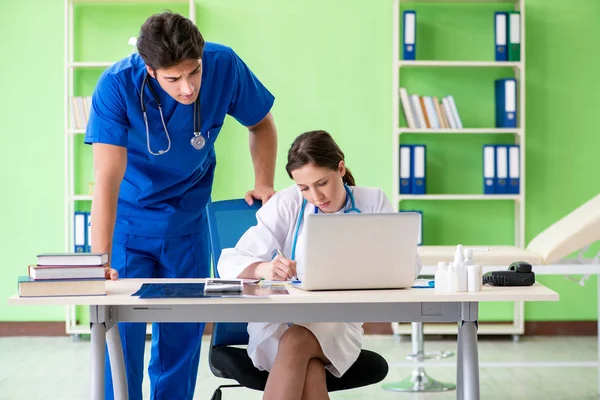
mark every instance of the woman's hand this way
{"type": "Point", "coordinates": [279, 269]}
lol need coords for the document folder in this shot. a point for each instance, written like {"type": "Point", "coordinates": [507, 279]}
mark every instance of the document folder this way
{"type": "Point", "coordinates": [500, 36]}
{"type": "Point", "coordinates": [405, 169]}
{"type": "Point", "coordinates": [489, 169]}
{"type": "Point", "coordinates": [506, 103]}
{"type": "Point", "coordinates": [410, 35]}
{"type": "Point", "coordinates": [514, 170]}
{"type": "Point", "coordinates": [80, 232]}
{"type": "Point", "coordinates": [501, 169]}
{"type": "Point", "coordinates": [418, 176]}
{"type": "Point", "coordinates": [514, 36]}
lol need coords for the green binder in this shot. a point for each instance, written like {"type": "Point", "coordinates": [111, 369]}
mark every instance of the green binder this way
{"type": "Point", "coordinates": [514, 36]}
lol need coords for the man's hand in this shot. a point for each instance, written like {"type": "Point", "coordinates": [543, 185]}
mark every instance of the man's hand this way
{"type": "Point", "coordinates": [110, 274]}
{"type": "Point", "coordinates": [260, 192]}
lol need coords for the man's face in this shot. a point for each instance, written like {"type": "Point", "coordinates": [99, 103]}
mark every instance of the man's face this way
{"type": "Point", "coordinates": [182, 81]}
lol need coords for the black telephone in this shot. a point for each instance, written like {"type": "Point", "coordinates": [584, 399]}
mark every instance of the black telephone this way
{"type": "Point", "coordinates": [519, 273]}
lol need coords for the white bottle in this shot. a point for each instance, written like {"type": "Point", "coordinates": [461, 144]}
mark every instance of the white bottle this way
{"type": "Point", "coordinates": [469, 257]}
{"type": "Point", "coordinates": [468, 252]}
{"type": "Point", "coordinates": [469, 261]}
{"type": "Point", "coordinates": [474, 277]}
{"type": "Point", "coordinates": [441, 278]}
{"type": "Point", "coordinates": [461, 269]}
{"type": "Point", "coordinates": [452, 280]}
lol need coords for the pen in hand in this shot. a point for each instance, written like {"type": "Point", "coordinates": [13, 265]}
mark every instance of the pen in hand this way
{"type": "Point", "coordinates": [281, 255]}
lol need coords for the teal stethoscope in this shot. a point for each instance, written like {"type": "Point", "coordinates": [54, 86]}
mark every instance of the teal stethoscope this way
{"type": "Point", "coordinates": [352, 208]}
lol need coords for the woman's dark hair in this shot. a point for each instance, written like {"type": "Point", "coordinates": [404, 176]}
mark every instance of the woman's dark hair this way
{"type": "Point", "coordinates": [167, 39]}
{"type": "Point", "coordinates": [319, 148]}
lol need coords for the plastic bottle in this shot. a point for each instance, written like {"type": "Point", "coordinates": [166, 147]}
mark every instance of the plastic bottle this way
{"type": "Point", "coordinates": [474, 277]}
{"type": "Point", "coordinates": [469, 261]}
{"type": "Point", "coordinates": [468, 254]}
{"type": "Point", "coordinates": [461, 269]}
{"type": "Point", "coordinates": [452, 280]}
{"type": "Point", "coordinates": [441, 278]}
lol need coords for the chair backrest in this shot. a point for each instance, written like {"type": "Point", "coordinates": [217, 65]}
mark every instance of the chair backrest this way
{"type": "Point", "coordinates": [227, 222]}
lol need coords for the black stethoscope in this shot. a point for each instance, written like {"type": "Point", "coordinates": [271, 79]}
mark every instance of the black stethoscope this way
{"type": "Point", "coordinates": [198, 142]}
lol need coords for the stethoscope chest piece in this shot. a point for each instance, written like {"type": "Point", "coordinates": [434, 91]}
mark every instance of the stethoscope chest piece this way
{"type": "Point", "coordinates": [198, 141]}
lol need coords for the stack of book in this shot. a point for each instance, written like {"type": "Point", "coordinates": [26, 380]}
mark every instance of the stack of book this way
{"type": "Point", "coordinates": [65, 274]}
{"type": "Point", "coordinates": [427, 112]}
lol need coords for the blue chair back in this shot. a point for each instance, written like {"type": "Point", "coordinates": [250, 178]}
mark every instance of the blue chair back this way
{"type": "Point", "coordinates": [227, 222]}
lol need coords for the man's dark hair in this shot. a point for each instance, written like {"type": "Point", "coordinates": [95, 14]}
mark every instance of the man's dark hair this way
{"type": "Point", "coordinates": [167, 39]}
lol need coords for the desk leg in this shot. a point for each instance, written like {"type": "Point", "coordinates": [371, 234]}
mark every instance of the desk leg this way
{"type": "Point", "coordinates": [598, 329]}
{"type": "Point", "coordinates": [468, 358]}
{"type": "Point", "coordinates": [459, 366]}
{"type": "Point", "coordinates": [117, 363]}
{"type": "Point", "coordinates": [98, 337]}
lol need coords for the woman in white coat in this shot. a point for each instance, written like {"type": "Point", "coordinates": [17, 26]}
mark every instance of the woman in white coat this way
{"type": "Point", "coordinates": [297, 356]}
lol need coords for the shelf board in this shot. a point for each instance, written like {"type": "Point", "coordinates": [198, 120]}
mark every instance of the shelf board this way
{"type": "Point", "coordinates": [128, 1]}
{"type": "Point", "coordinates": [461, 64]}
{"type": "Point", "coordinates": [459, 197]}
{"type": "Point", "coordinates": [90, 64]}
{"type": "Point", "coordinates": [81, 197]}
{"type": "Point", "coordinates": [469, 131]}
{"type": "Point", "coordinates": [462, 1]}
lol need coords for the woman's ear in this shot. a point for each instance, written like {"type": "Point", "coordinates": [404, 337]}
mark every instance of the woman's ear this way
{"type": "Point", "coordinates": [342, 168]}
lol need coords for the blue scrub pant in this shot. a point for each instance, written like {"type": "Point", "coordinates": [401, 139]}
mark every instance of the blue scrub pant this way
{"type": "Point", "coordinates": [175, 351]}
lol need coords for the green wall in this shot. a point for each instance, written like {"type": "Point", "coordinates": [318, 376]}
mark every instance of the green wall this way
{"type": "Point", "coordinates": [329, 65]}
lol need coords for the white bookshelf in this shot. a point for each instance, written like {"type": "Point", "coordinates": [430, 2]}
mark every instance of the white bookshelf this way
{"type": "Point", "coordinates": [468, 131]}
{"type": "Point", "coordinates": [71, 133]}
{"type": "Point", "coordinates": [461, 64]}
{"type": "Point", "coordinates": [483, 197]}
{"type": "Point", "coordinates": [517, 326]}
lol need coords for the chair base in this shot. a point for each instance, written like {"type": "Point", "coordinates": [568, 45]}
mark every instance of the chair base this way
{"type": "Point", "coordinates": [419, 381]}
{"type": "Point", "coordinates": [437, 355]}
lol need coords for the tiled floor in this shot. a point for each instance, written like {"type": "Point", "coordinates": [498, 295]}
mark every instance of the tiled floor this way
{"type": "Point", "coordinates": [57, 368]}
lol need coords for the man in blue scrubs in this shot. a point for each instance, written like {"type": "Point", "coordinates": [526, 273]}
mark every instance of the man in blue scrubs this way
{"type": "Point", "coordinates": [154, 175]}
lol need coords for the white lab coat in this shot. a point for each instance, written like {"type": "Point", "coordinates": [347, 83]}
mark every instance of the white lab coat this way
{"type": "Point", "coordinates": [340, 342]}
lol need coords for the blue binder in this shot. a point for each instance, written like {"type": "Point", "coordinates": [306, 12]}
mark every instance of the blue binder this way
{"type": "Point", "coordinates": [489, 169]}
{"type": "Point", "coordinates": [418, 169]}
{"type": "Point", "coordinates": [409, 37]}
{"type": "Point", "coordinates": [500, 36]}
{"type": "Point", "coordinates": [79, 232]}
{"type": "Point", "coordinates": [88, 236]}
{"type": "Point", "coordinates": [514, 169]}
{"type": "Point", "coordinates": [405, 169]}
{"type": "Point", "coordinates": [501, 169]}
{"type": "Point", "coordinates": [506, 103]}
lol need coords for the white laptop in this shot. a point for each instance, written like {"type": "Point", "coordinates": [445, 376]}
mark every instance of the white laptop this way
{"type": "Point", "coordinates": [360, 251]}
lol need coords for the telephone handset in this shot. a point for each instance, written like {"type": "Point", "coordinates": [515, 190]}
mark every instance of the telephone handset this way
{"type": "Point", "coordinates": [519, 273]}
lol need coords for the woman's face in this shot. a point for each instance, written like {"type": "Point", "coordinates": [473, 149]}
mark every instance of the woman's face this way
{"type": "Point", "coordinates": [322, 187]}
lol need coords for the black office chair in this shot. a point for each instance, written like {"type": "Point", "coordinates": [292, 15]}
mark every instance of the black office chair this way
{"type": "Point", "coordinates": [227, 222]}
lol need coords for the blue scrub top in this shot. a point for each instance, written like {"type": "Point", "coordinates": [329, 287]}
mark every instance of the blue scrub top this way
{"type": "Point", "coordinates": [165, 196]}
